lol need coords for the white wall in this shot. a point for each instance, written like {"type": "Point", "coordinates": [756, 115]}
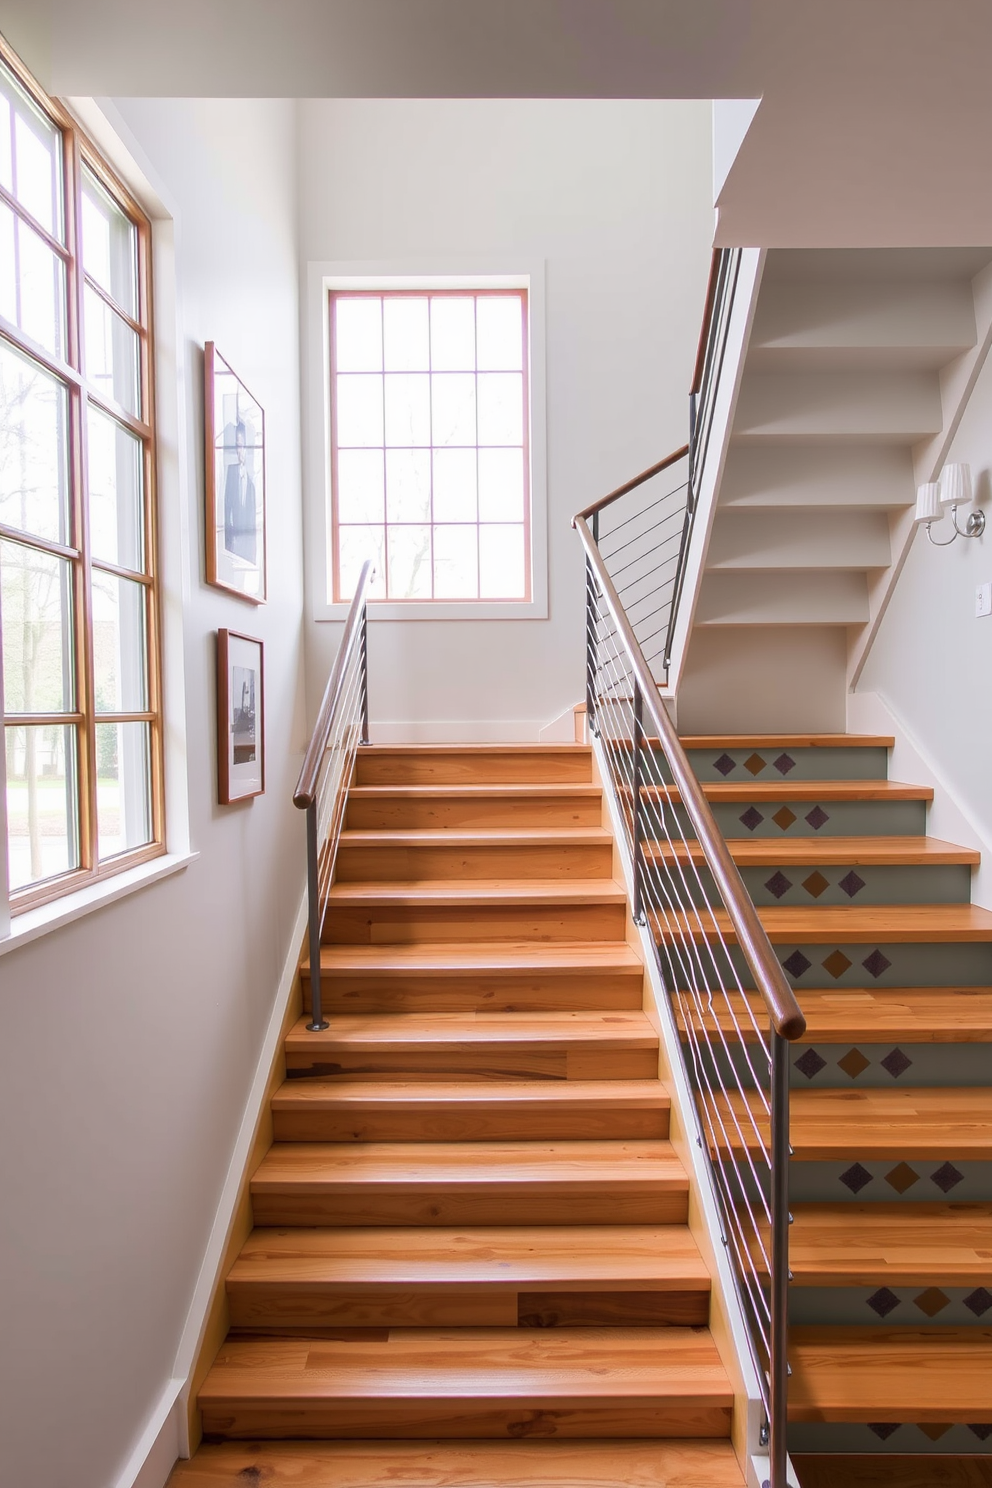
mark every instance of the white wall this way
{"type": "Point", "coordinates": [931, 663]}
{"type": "Point", "coordinates": [128, 1039]}
{"type": "Point", "coordinates": [615, 198]}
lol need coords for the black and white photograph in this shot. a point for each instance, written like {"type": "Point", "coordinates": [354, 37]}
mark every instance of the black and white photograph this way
{"type": "Point", "coordinates": [235, 481]}
{"type": "Point", "coordinates": [240, 718]}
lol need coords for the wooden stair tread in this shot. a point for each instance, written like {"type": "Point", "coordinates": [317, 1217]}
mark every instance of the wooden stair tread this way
{"type": "Point", "coordinates": [623, 1256]}
{"type": "Point", "coordinates": [927, 1124]}
{"type": "Point", "coordinates": [525, 789]}
{"type": "Point", "coordinates": [462, 1464]}
{"type": "Point", "coordinates": [893, 1244]}
{"type": "Point", "coordinates": [787, 741]}
{"type": "Point", "coordinates": [856, 851]}
{"type": "Point", "coordinates": [470, 1094]}
{"type": "Point", "coordinates": [938, 1375]}
{"type": "Point", "coordinates": [426, 750]}
{"type": "Point", "coordinates": [451, 958]}
{"type": "Point", "coordinates": [476, 837]}
{"type": "Point", "coordinates": [817, 924]}
{"type": "Point", "coordinates": [476, 891]}
{"type": "Point", "coordinates": [291, 1167]}
{"type": "Point", "coordinates": [680, 1364]}
{"type": "Point", "coordinates": [441, 1030]}
{"type": "Point", "coordinates": [921, 1015]}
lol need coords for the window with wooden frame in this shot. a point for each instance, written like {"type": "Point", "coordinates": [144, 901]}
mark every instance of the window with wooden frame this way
{"type": "Point", "coordinates": [78, 603]}
{"type": "Point", "coordinates": [430, 443]}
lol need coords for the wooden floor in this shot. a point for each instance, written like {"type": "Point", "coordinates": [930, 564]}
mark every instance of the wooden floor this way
{"type": "Point", "coordinates": [470, 1230]}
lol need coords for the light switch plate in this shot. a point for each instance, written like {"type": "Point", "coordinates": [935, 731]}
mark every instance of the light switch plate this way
{"type": "Point", "coordinates": [983, 600]}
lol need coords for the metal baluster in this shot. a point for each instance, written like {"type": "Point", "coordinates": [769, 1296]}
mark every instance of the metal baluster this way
{"type": "Point", "coordinates": [363, 664]}
{"type": "Point", "coordinates": [317, 1022]}
{"type": "Point", "coordinates": [637, 831]}
{"type": "Point", "coordinates": [779, 1281]}
{"type": "Point", "coordinates": [590, 650]}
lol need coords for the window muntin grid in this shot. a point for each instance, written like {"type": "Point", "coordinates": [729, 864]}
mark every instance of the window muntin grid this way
{"type": "Point", "coordinates": [78, 607]}
{"type": "Point", "coordinates": [430, 443]}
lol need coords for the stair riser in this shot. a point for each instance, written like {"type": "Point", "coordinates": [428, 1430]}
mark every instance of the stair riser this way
{"type": "Point", "coordinates": [839, 819]}
{"type": "Point", "coordinates": [823, 1182]}
{"type": "Point", "coordinates": [402, 813]}
{"type": "Point", "coordinates": [808, 763]}
{"type": "Point", "coordinates": [411, 864]}
{"type": "Point", "coordinates": [507, 992]}
{"type": "Point", "coordinates": [496, 1124]}
{"type": "Point", "coordinates": [950, 884]}
{"type": "Point", "coordinates": [300, 1308]}
{"type": "Point", "coordinates": [910, 964]}
{"type": "Point", "coordinates": [391, 1420]}
{"type": "Point", "coordinates": [893, 1438]}
{"type": "Point", "coordinates": [887, 1306]}
{"type": "Point", "coordinates": [479, 1061]}
{"type": "Point", "coordinates": [930, 1065]}
{"type": "Point", "coordinates": [420, 924]}
{"type": "Point", "coordinates": [543, 766]}
{"type": "Point", "coordinates": [504, 1204]}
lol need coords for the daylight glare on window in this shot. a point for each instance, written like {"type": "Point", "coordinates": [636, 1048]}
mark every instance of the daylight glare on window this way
{"type": "Point", "coordinates": [429, 443]}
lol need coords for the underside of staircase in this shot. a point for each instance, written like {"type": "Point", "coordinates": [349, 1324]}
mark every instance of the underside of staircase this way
{"type": "Point", "coordinates": [471, 1263]}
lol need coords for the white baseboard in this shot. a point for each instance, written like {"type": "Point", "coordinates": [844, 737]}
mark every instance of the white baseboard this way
{"type": "Point", "coordinates": [950, 817]}
{"type": "Point", "coordinates": [157, 1448]}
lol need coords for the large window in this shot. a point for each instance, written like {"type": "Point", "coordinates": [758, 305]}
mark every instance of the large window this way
{"type": "Point", "coordinates": [430, 443]}
{"type": "Point", "coordinates": [78, 610]}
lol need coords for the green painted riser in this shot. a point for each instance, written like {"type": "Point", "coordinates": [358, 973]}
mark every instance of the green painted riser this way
{"type": "Point", "coordinates": [950, 884]}
{"type": "Point", "coordinates": [908, 1439]}
{"type": "Point", "coordinates": [843, 819]}
{"type": "Point", "coordinates": [821, 1182]}
{"type": "Point", "coordinates": [811, 763]}
{"type": "Point", "coordinates": [849, 1306]}
{"type": "Point", "coordinates": [930, 1065]}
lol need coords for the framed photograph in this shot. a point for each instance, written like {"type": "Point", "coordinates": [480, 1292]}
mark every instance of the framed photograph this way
{"type": "Point", "coordinates": [240, 718]}
{"type": "Point", "coordinates": [235, 481]}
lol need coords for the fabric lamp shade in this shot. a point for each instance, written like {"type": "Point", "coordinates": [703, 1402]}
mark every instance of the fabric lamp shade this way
{"type": "Point", "coordinates": [928, 503]}
{"type": "Point", "coordinates": [955, 485]}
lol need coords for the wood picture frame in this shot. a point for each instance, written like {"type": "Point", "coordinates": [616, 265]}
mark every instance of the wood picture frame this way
{"type": "Point", "coordinates": [234, 481]}
{"type": "Point", "coordinates": [240, 717]}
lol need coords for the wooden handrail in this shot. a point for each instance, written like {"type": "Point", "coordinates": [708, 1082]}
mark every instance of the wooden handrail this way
{"type": "Point", "coordinates": [704, 330]}
{"type": "Point", "coordinates": [632, 485]}
{"type": "Point", "coordinates": [306, 787]}
{"type": "Point", "coordinates": [784, 1011]}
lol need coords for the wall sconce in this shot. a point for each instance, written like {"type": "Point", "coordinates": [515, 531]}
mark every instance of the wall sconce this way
{"type": "Point", "coordinates": [954, 489]}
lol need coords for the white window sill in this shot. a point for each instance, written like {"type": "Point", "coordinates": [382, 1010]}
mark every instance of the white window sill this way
{"type": "Point", "coordinates": [441, 609]}
{"type": "Point", "coordinates": [47, 917]}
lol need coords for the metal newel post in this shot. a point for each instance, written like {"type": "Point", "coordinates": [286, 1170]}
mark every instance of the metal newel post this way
{"type": "Point", "coordinates": [364, 664]}
{"type": "Point", "coordinates": [317, 1022]}
{"type": "Point", "coordinates": [638, 743]}
{"type": "Point", "coordinates": [778, 1363]}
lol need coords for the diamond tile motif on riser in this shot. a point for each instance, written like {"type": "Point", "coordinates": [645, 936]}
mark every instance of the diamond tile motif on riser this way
{"type": "Point", "coordinates": [790, 818]}
{"type": "Point", "coordinates": [958, 1307]}
{"type": "Point", "coordinates": [938, 1440]}
{"type": "Point", "coordinates": [845, 883]}
{"type": "Point", "coordinates": [806, 763]}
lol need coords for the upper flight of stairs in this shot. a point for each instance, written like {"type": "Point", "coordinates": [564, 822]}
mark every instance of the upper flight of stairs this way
{"type": "Point", "coordinates": [855, 369]}
{"type": "Point", "coordinates": [470, 1261]}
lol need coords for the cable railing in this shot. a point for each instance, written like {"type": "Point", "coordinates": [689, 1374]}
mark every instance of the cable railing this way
{"type": "Point", "coordinates": [732, 1004]}
{"type": "Point", "coordinates": [328, 766]}
{"type": "Point", "coordinates": [644, 528]}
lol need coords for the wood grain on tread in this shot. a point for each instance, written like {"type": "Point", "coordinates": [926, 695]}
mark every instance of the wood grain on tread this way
{"type": "Point", "coordinates": [836, 1125]}
{"type": "Point", "coordinates": [787, 741]}
{"type": "Point", "coordinates": [472, 1382]}
{"type": "Point", "coordinates": [445, 959]}
{"type": "Point", "coordinates": [919, 1015]}
{"type": "Point", "coordinates": [484, 1464]}
{"type": "Point", "coordinates": [505, 860]}
{"type": "Point", "coordinates": [480, 837]}
{"type": "Point", "coordinates": [470, 1183]}
{"type": "Point", "coordinates": [856, 923]}
{"type": "Point", "coordinates": [881, 1374]}
{"type": "Point", "coordinates": [354, 1110]}
{"type": "Point", "coordinates": [461, 764]}
{"type": "Point", "coordinates": [891, 1244]}
{"type": "Point", "coordinates": [468, 806]}
{"type": "Point", "coordinates": [478, 892]}
{"type": "Point", "coordinates": [891, 1470]}
{"type": "Point", "coordinates": [554, 917]}
{"type": "Point", "coordinates": [602, 1276]}
{"type": "Point", "coordinates": [856, 851]}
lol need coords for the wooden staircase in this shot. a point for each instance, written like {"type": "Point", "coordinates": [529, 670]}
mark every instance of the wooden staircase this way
{"type": "Point", "coordinates": [470, 1262]}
